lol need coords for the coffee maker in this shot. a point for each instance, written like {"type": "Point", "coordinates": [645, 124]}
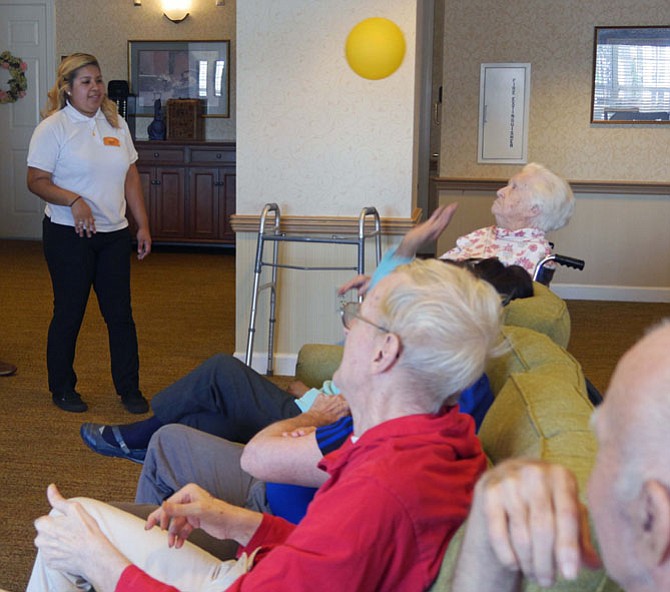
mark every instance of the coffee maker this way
{"type": "Point", "coordinates": [118, 91]}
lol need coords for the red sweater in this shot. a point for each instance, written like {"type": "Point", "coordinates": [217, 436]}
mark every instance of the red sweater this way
{"type": "Point", "coordinates": [381, 522]}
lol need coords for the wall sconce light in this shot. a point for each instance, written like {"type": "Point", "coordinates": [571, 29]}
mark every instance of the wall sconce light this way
{"type": "Point", "coordinates": [176, 10]}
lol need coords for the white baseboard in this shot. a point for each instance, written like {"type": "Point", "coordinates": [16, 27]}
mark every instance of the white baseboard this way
{"type": "Point", "coordinates": [283, 364]}
{"type": "Point", "coordinates": [613, 293]}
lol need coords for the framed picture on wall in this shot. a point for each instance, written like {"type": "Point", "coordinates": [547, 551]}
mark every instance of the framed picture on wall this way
{"type": "Point", "coordinates": [180, 70]}
{"type": "Point", "coordinates": [631, 75]}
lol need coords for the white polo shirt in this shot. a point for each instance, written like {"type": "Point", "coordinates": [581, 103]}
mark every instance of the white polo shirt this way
{"type": "Point", "coordinates": [88, 156]}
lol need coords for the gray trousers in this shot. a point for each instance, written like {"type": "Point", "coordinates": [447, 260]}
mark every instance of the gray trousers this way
{"type": "Point", "coordinates": [226, 398]}
{"type": "Point", "coordinates": [178, 455]}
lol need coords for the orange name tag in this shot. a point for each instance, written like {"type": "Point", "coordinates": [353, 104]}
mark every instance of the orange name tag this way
{"type": "Point", "coordinates": [111, 141]}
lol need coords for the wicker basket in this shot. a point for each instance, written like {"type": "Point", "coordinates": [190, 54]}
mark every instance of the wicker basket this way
{"type": "Point", "coordinates": [184, 119]}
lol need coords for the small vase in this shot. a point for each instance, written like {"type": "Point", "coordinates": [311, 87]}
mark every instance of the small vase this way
{"type": "Point", "coordinates": [156, 129]}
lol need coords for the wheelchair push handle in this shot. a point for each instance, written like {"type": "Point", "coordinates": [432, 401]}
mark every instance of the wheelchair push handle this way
{"type": "Point", "coordinates": [569, 261]}
{"type": "Point", "coordinates": [544, 276]}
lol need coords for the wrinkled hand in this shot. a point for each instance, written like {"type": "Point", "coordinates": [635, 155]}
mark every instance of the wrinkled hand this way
{"type": "Point", "coordinates": [84, 222]}
{"type": "Point", "coordinates": [360, 283]}
{"type": "Point", "coordinates": [534, 520]}
{"type": "Point", "coordinates": [192, 507]}
{"type": "Point", "coordinates": [328, 409]}
{"type": "Point", "coordinates": [427, 231]}
{"type": "Point", "coordinates": [72, 542]}
{"type": "Point", "coordinates": [143, 243]}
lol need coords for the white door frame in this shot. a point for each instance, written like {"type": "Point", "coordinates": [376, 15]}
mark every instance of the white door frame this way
{"type": "Point", "coordinates": [17, 206]}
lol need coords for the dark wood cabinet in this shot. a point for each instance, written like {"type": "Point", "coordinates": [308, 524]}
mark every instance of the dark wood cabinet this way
{"type": "Point", "coordinates": [189, 190]}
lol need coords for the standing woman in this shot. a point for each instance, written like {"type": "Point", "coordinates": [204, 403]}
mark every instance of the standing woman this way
{"type": "Point", "coordinates": [81, 161]}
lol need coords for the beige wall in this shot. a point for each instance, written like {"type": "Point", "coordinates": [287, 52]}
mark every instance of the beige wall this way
{"type": "Point", "coordinates": [557, 39]}
{"type": "Point", "coordinates": [103, 29]}
{"type": "Point", "coordinates": [622, 236]}
{"type": "Point", "coordinates": [312, 135]}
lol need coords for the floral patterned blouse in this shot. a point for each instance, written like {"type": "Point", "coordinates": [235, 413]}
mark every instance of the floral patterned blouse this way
{"type": "Point", "coordinates": [525, 247]}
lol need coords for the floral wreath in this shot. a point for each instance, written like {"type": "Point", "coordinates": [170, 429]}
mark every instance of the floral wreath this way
{"type": "Point", "coordinates": [17, 83]}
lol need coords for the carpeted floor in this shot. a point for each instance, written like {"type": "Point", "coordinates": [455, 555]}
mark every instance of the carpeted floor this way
{"type": "Point", "coordinates": [603, 331]}
{"type": "Point", "coordinates": [184, 310]}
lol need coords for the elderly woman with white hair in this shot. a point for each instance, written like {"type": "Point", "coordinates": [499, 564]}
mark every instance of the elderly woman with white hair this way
{"type": "Point", "coordinates": [398, 488]}
{"type": "Point", "coordinates": [535, 201]}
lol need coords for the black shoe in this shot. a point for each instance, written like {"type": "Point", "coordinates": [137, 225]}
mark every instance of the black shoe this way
{"type": "Point", "coordinates": [135, 403]}
{"type": "Point", "coordinates": [69, 402]}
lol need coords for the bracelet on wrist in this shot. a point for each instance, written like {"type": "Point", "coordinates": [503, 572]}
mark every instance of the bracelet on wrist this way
{"type": "Point", "coordinates": [75, 200]}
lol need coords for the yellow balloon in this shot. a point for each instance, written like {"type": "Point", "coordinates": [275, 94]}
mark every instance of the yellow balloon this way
{"type": "Point", "coordinates": [375, 48]}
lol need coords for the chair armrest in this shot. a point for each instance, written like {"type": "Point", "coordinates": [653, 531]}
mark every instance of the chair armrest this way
{"type": "Point", "coordinates": [317, 362]}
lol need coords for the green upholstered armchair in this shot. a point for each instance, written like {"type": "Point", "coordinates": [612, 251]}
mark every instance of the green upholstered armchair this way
{"type": "Point", "coordinates": [544, 312]}
{"type": "Point", "coordinates": [541, 410]}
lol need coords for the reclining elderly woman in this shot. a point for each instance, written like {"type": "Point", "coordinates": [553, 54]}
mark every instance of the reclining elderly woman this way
{"type": "Point", "coordinates": [398, 489]}
{"type": "Point", "coordinates": [534, 201]}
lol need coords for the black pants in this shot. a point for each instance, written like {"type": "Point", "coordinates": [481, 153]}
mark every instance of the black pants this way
{"type": "Point", "coordinates": [226, 398]}
{"type": "Point", "coordinates": [75, 264]}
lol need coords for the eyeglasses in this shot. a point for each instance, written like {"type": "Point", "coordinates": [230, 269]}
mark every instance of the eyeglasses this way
{"type": "Point", "coordinates": [350, 311]}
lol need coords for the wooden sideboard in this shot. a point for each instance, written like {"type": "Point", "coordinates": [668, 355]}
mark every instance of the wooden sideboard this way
{"type": "Point", "coordinates": [189, 190]}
